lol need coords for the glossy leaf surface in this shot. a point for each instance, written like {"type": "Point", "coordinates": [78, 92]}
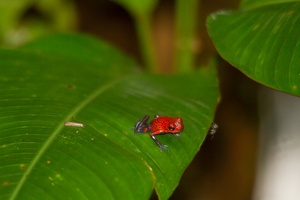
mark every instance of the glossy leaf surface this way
{"type": "Point", "coordinates": [263, 43]}
{"type": "Point", "coordinates": [68, 78]}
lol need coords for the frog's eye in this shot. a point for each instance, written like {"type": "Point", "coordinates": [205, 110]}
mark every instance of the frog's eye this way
{"type": "Point", "coordinates": [171, 128]}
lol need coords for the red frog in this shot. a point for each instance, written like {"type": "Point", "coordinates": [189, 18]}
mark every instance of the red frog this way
{"type": "Point", "coordinates": [159, 125]}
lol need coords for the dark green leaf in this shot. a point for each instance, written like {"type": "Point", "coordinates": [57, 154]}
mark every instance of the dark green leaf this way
{"type": "Point", "coordinates": [263, 43]}
{"type": "Point", "coordinates": [78, 79]}
{"type": "Point", "coordinates": [258, 3]}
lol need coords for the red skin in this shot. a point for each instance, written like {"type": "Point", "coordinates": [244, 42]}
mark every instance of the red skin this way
{"type": "Point", "coordinates": [159, 125]}
{"type": "Point", "coordinates": [164, 124]}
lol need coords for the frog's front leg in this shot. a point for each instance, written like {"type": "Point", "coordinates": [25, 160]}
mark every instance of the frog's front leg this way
{"type": "Point", "coordinates": [161, 146]}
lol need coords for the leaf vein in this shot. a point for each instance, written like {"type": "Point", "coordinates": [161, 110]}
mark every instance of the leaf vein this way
{"type": "Point", "coordinates": [56, 131]}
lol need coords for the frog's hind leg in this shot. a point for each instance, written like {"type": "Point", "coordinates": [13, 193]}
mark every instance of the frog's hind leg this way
{"type": "Point", "coordinates": [141, 126]}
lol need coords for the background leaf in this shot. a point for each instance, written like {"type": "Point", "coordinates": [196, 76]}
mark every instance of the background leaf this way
{"type": "Point", "coordinates": [263, 43]}
{"type": "Point", "coordinates": [75, 78]}
{"type": "Point", "coordinates": [258, 3]}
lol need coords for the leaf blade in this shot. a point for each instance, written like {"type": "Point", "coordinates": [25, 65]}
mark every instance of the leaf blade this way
{"type": "Point", "coordinates": [41, 89]}
{"type": "Point", "coordinates": [263, 44]}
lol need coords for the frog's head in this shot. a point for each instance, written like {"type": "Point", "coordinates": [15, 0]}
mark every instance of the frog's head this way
{"type": "Point", "coordinates": [175, 125]}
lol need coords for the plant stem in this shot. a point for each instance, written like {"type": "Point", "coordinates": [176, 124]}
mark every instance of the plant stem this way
{"type": "Point", "coordinates": [143, 25]}
{"type": "Point", "coordinates": [186, 18]}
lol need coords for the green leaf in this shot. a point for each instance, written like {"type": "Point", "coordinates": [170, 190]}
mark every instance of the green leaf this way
{"type": "Point", "coordinates": [70, 78]}
{"type": "Point", "coordinates": [258, 3]}
{"type": "Point", "coordinates": [263, 43]}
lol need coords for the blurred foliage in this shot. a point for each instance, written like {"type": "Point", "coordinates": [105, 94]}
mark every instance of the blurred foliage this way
{"type": "Point", "coordinates": [27, 19]}
{"type": "Point", "coordinates": [137, 7]}
{"type": "Point", "coordinates": [249, 4]}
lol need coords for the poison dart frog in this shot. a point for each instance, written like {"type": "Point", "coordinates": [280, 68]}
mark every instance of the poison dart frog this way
{"type": "Point", "coordinates": [158, 126]}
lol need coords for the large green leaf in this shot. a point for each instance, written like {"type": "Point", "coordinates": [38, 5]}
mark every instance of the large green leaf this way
{"type": "Point", "coordinates": [263, 43]}
{"type": "Point", "coordinates": [257, 3]}
{"type": "Point", "coordinates": [74, 78]}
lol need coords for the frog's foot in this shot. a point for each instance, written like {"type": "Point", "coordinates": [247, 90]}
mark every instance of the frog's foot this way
{"type": "Point", "coordinates": [138, 133]}
{"type": "Point", "coordinates": [163, 147]}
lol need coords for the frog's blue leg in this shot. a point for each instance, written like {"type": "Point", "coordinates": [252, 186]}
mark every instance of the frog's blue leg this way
{"type": "Point", "coordinates": [161, 146]}
{"type": "Point", "coordinates": [142, 126]}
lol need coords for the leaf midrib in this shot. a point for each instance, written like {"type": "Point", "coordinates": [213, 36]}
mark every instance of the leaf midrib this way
{"type": "Point", "coordinates": [57, 130]}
